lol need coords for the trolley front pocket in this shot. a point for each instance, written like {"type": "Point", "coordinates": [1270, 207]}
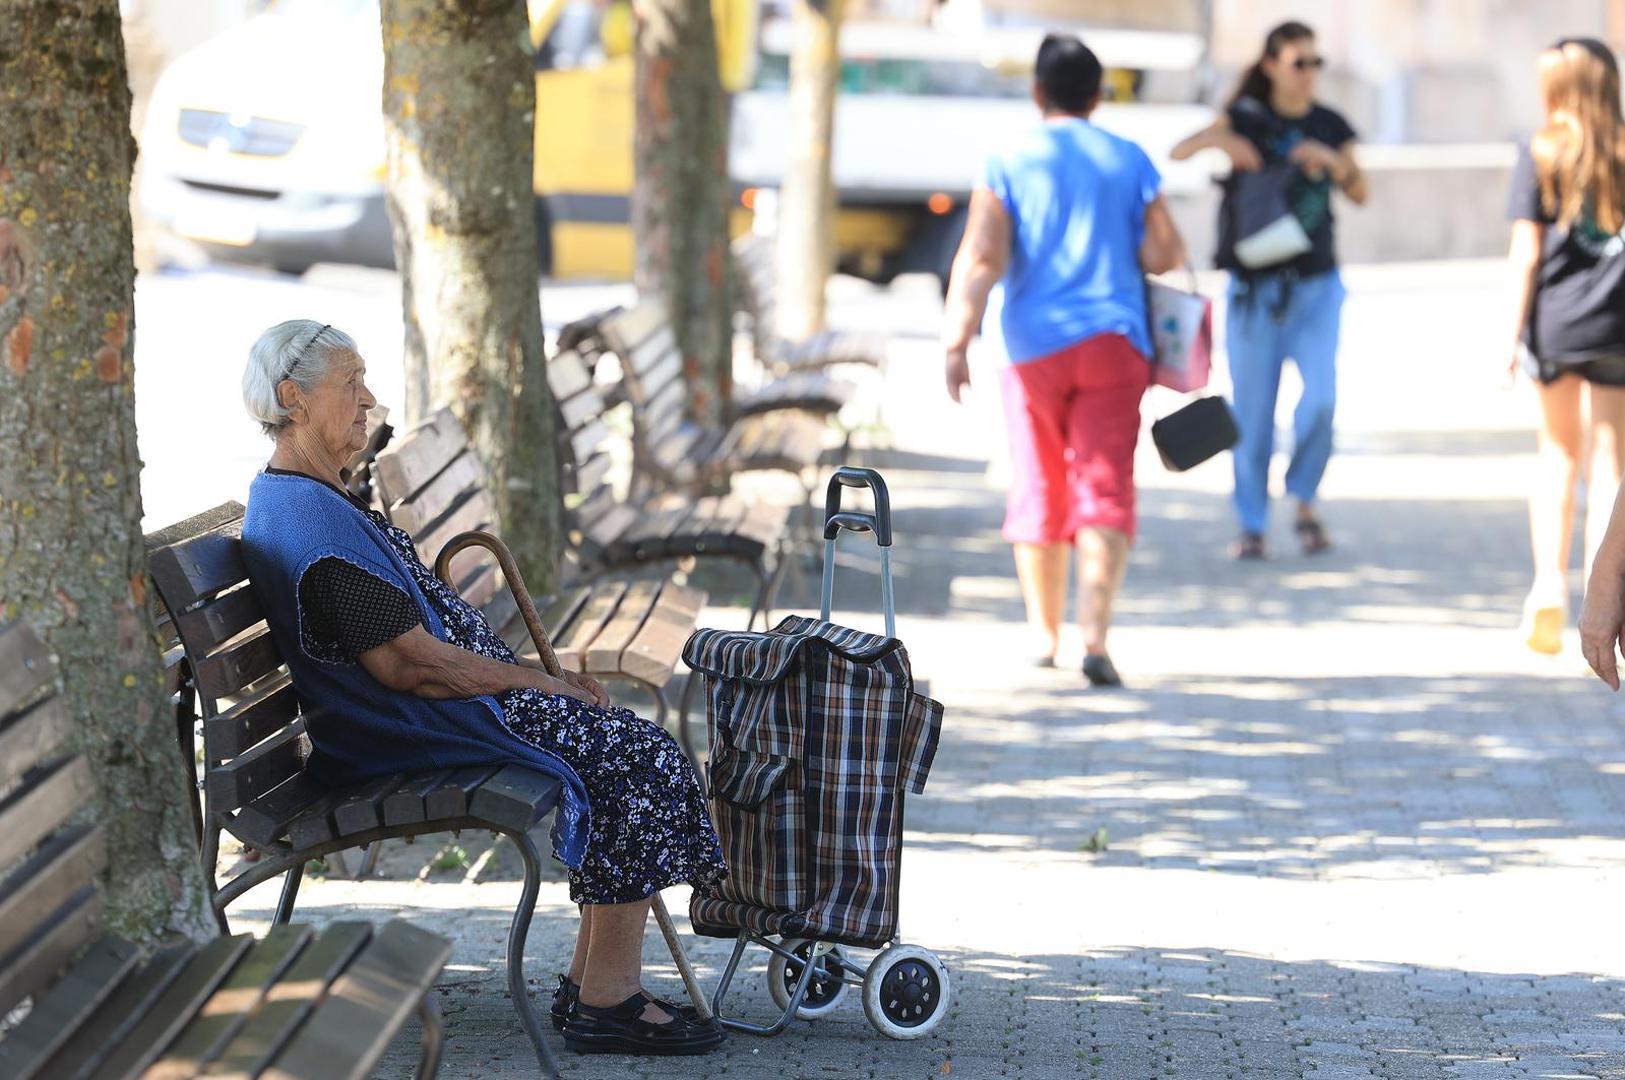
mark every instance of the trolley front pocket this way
{"type": "Point", "coordinates": [761, 819]}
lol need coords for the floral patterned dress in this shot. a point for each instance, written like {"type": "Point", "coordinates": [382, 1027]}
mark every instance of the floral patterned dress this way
{"type": "Point", "coordinates": [650, 828]}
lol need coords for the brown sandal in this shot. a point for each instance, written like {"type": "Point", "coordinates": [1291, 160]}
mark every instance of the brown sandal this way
{"type": "Point", "coordinates": [1312, 536]}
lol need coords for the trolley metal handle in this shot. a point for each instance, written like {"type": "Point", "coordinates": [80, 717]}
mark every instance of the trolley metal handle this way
{"type": "Point", "coordinates": [877, 523]}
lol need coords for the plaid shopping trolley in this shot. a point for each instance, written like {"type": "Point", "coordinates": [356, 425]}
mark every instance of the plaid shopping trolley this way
{"type": "Point", "coordinates": [817, 734]}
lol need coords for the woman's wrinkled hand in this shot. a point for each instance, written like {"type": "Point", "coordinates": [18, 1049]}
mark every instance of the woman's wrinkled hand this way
{"type": "Point", "coordinates": [1602, 621]}
{"type": "Point", "coordinates": [583, 686]}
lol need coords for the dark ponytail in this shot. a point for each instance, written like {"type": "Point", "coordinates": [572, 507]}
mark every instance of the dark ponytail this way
{"type": "Point", "coordinates": [1254, 83]}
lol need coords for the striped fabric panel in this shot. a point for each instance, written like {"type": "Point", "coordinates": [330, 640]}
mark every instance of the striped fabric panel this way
{"type": "Point", "coordinates": [817, 734]}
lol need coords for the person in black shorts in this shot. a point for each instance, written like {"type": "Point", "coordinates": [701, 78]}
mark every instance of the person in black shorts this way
{"type": "Point", "coordinates": [1567, 263]}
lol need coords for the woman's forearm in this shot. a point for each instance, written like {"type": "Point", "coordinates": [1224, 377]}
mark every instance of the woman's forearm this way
{"type": "Point", "coordinates": [418, 663]}
{"type": "Point", "coordinates": [972, 280]}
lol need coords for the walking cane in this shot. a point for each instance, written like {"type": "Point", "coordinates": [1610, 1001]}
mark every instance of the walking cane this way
{"type": "Point", "coordinates": [550, 661]}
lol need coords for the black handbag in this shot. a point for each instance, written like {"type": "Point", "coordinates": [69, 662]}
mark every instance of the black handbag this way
{"type": "Point", "coordinates": [1190, 435]}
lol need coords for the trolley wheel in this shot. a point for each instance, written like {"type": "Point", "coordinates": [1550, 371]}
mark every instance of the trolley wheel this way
{"type": "Point", "coordinates": [828, 985]}
{"type": "Point", "coordinates": [905, 993]}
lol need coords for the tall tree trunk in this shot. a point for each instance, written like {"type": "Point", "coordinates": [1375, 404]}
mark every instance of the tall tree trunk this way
{"type": "Point", "coordinates": [680, 195]}
{"type": "Point", "coordinates": [459, 102]}
{"type": "Point", "coordinates": [71, 558]}
{"type": "Point", "coordinates": [806, 221]}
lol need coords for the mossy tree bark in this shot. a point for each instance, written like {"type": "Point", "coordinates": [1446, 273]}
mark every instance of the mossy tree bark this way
{"type": "Point", "coordinates": [806, 214]}
{"type": "Point", "coordinates": [680, 194]}
{"type": "Point", "coordinates": [459, 108]}
{"type": "Point", "coordinates": [71, 558]}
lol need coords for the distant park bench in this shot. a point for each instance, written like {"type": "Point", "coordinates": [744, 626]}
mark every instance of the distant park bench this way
{"type": "Point", "coordinates": [255, 747]}
{"type": "Point", "coordinates": [298, 1003]}
{"type": "Point", "coordinates": [757, 283]}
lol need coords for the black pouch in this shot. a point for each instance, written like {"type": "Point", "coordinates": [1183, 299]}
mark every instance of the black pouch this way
{"type": "Point", "coordinates": [1189, 436]}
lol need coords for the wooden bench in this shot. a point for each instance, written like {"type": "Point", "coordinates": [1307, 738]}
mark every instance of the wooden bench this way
{"type": "Point", "coordinates": [670, 450]}
{"type": "Point", "coordinates": [433, 485]}
{"type": "Point", "coordinates": [296, 1003]}
{"type": "Point", "coordinates": [255, 747]}
{"type": "Point", "coordinates": [756, 280]}
{"type": "Point", "coordinates": [610, 532]}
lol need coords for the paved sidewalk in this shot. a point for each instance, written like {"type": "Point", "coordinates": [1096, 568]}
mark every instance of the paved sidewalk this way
{"type": "Point", "coordinates": [1354, 830]}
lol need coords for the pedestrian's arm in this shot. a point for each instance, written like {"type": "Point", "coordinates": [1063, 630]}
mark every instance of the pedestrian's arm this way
{"type": "Point", "coordinates": [1523, 263]}
{"type": "Point", "coordinates": [1349, 176]}
{"type": "Point", "coordinates": [1219, 135]}
{"type": "Point", "coordinates": [983, 255]}
{"type": "Point", "coordinates": [1163, 249]}
{"type": "Point", "coordinates": [420, 664]}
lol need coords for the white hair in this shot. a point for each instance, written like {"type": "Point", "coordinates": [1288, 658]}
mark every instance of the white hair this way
{"type": "Point", "coordinates": [299, 349]}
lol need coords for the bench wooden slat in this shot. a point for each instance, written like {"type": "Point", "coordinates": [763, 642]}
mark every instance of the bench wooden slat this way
{"type": "Point", "coordinates": [267, 710]}
{"type": "Point", "coordinates": [28, 737]}
{"type": "Point", "coordinates": [99, 1036]}
{"type": "Point", "coordinates": [572, 645]}
{"type": "Point", "coordinates": [238, 666]}
{"type": "Point", "coordinates": [608, 529]}
{"type": "Point", "coordinates": [221, 619]}
{"type": "Point", "coordinates": [450, 798]}
{"type": "Point", "coordinates": [653, 653]}
{"type": "Point", "coordinates": [60, 1013]}
{"type": "Point", "coordinates": [266, 819]}
{"type": "Point", "coordinates": [661, 373]}
{"type": "Point", "coordinates": [559, 613]}
{"type": "Point", "coordinates": [314, 824]}
{"type": "Point", "coordinates": [350, 1029]}
{"type": "Point", "coordinates": [627, 330]}
{"type": "Point", "coordinates": [652, 351]}
{"type": "Point", "coordinates": [404, 805]}
{"type": "Point", "coordinates": [48, 946]}
{"type": "Point", "coordinates": [577, 410]}
{"type": "Point", "coordinates": [179, 1002]}
{"type": "Point", "coordinates": [415, 511]}
{"type": "Point", "coordinates": [362, 809]}
{"type": "Point", "coordinates": [689, 442]}
{"type": "Point", "coordinates": [65, 863]}
{"type": "Point", "coordinates": [515, 797]}
{"type": "Point", "coordinates": [26, 666]}
{"type": "Point", "coordinates": [482, 586]}
{"type": "Point", "coordinates": [417, 457]}
{"type": "Point", "coordinates": [604, 654]}
{"type": "Point", "coordinates": [475, 512]}
{"type": "Point", "coordinates": [193, 570]}
{"type": "Point", "coordinates": [43, 800]}
{"type": "Point", "coordinates": [230, 1006]}
{"type": "Point", "coordinates": [587, 438]}
{"type": "Point", "coordinates": [590, 474]}
{"type": "Point", "coordinates": [249, 775]}
{"type": "Point", "coordinates": [664, 412]}
{"type": "Point", "coordinates": [289, 1001]}
{"type": "Point", "coordinates": [567, 375]}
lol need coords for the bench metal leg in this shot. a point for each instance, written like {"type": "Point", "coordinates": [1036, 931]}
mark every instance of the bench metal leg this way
{"type": "Point", "coordinates": [516, 952]}
{"type": "Point", "coordinates": [290, 894]}
{"type": "Point", "coordinates": [434, 1035]}
{"type": "Point", "coordinates": [208, 857]}
{"type": "Point", "coordinates": [367, 861]}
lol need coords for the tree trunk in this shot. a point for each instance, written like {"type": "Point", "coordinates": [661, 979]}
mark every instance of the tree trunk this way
{"type": "Point", "coordinates": [806, 213]}
{"type": "Point", "coordinates": [680, 195]}
{"type": "Point", "coordinates": [459, 101]}
{"type": "Point", "coordinates": [71, 558]}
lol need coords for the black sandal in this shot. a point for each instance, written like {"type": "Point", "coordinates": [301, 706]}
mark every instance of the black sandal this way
{"type": "Point", "coordinates": [1312, 536]}
{"type": "Point", "coordinates": [621, 1029]}
{"type": "Point", "coordinates": [1248, 547]}
{"type": "Point", "coordinates": [568, 994]}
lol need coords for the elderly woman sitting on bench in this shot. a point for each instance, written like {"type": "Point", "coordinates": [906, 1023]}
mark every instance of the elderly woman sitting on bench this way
{"type": "Point", "coordinates": [408, 677]}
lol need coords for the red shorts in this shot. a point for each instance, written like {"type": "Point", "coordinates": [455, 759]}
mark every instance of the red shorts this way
{"type": "Point", "coordinates": [1073, 418]}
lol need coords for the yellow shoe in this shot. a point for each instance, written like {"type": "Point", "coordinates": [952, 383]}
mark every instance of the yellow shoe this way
{"type": "Point", "coordinates": [1545, 613]}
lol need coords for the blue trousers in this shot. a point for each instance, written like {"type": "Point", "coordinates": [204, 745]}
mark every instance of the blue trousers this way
{"type": "Point", "coordinates": [1270, 320]}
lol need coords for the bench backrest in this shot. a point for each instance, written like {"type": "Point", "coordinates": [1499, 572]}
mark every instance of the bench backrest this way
{"type": "Point", "coordinates": [253, 723]}
{"type": "Point", "coordinates": [50, 903]}
{"type": "Point", "coordinates": [652, 376]}
{"type": "Point", "coordinates": [756, 279]}
{"type": "Point", "coordinates": [595, 515]}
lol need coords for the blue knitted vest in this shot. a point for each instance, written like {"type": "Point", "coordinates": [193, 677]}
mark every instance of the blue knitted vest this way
{"type": "Point", "coordinates": [358, 727]}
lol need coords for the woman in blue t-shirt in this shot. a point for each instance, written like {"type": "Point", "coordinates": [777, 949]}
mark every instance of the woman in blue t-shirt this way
{"type": "Point", "coordinates": [1567, 263]}
{"type": "Point", "coordinates": [1287, 309]}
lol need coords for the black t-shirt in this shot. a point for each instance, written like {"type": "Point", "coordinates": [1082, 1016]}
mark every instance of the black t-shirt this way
{"type": "Point", "coordinates": [1274, 136]}
{"type": "Point", "coordinates": [1578, 311]}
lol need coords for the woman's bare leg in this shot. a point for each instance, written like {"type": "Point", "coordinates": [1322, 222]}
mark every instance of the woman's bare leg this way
{"type": "Point", "coordinates": [1102, 562]}
{"type": "Point", "coordinates": [1042, 569]}
{"type": "Point", "coordinates": [1607, 466]}
{"type": "Point", "coordinates": [1561, 439]}
{"type": "Point", "coordinates": [614, 968]}
{"type": "Point", "coordinates": [578, 962]}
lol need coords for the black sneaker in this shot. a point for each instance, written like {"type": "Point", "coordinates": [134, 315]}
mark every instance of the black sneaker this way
{"type": "Point", "coordinates": [1100, 671]}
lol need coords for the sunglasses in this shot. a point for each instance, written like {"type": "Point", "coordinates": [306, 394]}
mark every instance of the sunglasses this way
{"type": "Point", "coordinates": [1309, 63]}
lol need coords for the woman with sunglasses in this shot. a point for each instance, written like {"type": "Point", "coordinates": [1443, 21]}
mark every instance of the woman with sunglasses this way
{"type": "Point", "coordinates": [1290, 309]}
{"type": "Point", "coordinates": [1567, 269]}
